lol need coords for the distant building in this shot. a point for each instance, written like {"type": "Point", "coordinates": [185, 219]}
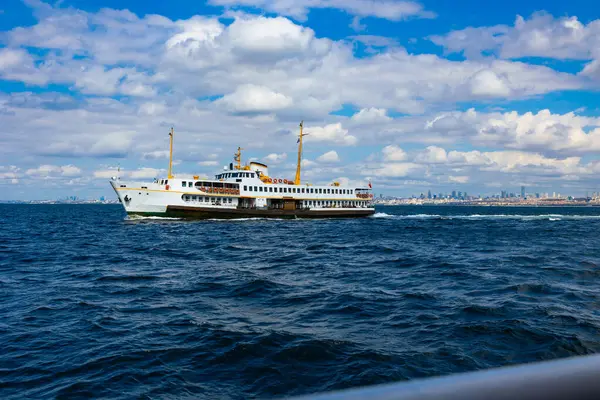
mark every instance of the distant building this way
{"type": "Point", "coordinates": [522, 192]}
{"type": "Point", "coordinates": [454, 194]}
{"type": "Point", "coordinates": [429, 194]}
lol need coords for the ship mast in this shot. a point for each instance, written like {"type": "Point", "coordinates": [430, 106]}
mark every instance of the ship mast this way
{"type": "Point", "coordinates": [300, 136]}
{"type": "Point", "coordinates": [237, 157]}
{"type": "Point", "coordinates": [171, 134]}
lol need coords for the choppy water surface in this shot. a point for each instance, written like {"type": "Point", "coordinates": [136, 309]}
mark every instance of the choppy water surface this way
{"type": "Point", "coordinates": [96, 305]}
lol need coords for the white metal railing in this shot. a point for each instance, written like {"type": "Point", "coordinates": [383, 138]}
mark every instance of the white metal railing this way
{"type": "Point", "coordinates": [571, 378]}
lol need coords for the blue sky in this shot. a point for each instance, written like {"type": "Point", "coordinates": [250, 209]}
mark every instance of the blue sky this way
{"type": "Point", "coordinates": [410, 95]}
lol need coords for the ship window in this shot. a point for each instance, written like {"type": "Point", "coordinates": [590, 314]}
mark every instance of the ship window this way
{"type": "Point", "coordinates": [255, 189]}
{"type": "Point", "coordinates": [260, 189]}
{"type": "Point", "coordinates": [183, 183]}
{"type": "Point", "coordinates": [250, 188]}
{"type": "Point", "coordinates": [270, 189]}
{"type": "Point", "coordinates": [245, 187]}
{"type": "Point", "coordinates": [229, 200]}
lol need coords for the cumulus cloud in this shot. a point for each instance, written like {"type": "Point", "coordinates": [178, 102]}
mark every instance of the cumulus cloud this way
{"type": "Point", "coordinates": [145, 173]}
{"type": "Point", "coordinates": [139, 173]}
{"type": "Point", "coordinates": [331, 133]}
{"type": "Point", "coordinates": [275, 158]}
{"type": "Point", "coordinates": [432, 155]}
{"type": "Point", "coordinates": [541, 131]}
{"type": "Point", "coordinates": [47, 170]}
{"type": "Point", "coordinates": [541, 35]}
{"type": "Point", "coordinates": [157, 154]}
{"type": "Point", "coordinates": [252, 98]}
{"type": "Point", "coordinates": [209, 163]}
{"type": "Point", "coordinates": [393, 153]}
{"type": "Point", "coordinates": [393, 10]}
{"type": "Point", "coordinates": [458, 179]}
{"type": "Point", "coordinates": [370, 116]}
{"type": "Point", "coordinates": [329, 157]}
{"type": "Point", "coordinates": [125, 79]}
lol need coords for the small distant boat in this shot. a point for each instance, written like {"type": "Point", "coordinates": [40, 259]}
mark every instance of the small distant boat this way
{"type": "Point", "coordinates": [242, 191]}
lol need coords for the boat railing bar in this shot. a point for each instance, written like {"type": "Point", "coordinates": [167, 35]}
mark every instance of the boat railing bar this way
{"type": "Point", "coordinates": [570, 378]}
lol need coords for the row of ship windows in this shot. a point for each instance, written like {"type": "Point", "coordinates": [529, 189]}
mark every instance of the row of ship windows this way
{"type": "Point", "coordinates": [272, 189]}
{"type": "Point", "coordinates": [210, 184]}
{"type": "Point", "coordinates": [218, 200]}
{"type": "Point", "coordinates": [333, 203]}
{"type": "Point", "coordinates": [236, 175]}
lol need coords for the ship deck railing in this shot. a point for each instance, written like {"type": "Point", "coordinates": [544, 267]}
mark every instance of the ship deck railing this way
{"type": "Point", "coordinates": [571, 378]}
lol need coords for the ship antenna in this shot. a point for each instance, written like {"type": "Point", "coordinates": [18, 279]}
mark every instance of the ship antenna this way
{"type": "Point", "coordinates": [171, 134]}
{"type": "Point", "coordinates": [300, 136]}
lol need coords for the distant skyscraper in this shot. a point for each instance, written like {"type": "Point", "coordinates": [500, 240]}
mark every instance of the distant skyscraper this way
{"type": "Point", "coordinates": [429, 194]}
{"type": "Point", "coordinates": [454, 194]}
{"type": "Point", "coordinates": [522, 192]}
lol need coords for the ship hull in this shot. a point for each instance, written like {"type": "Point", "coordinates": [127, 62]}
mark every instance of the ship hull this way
{"type": "Point", "coordinates": [232, 213]}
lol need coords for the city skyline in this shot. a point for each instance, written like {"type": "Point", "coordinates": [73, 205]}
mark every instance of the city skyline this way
{"type": "Point", "coordinates": [408, 95]}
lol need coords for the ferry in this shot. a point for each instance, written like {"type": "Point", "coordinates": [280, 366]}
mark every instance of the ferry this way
{"type": "Point", "coordinates": [242, 191]}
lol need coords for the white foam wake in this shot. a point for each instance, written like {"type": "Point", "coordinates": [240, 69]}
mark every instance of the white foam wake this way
{"type": "Point", "coordinates": [549, 217]}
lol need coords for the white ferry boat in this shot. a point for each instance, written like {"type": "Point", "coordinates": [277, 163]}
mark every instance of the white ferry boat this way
{"type": "Point", "coordinates": [241, 191]}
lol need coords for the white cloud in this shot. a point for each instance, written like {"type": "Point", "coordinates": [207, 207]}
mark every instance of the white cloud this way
{"type": "Point", "coordinates": [139, 173]}
{"type": "Point", "coordinates": [394, 170]}
{"type": "Point", "coordinates": [393, 10]}
{"type": "Point", "coordinates": [264, 36]}
{"type": "Point", "coordinates": [106, 173]}
{"type": "Point", "coordinates": [393, 153]}
{"type": "Point", "coordinates": [252, 98]}
{"type": "Point", "coordinates": [370, 116]}
{"type": "Point", "coordinates": [275, 158]}
{"type": "Point", "coordinates": [145, 173]}
{"type": "Point", "coordinates": [330, 133]}
{"type": "Point", "coordinates": [432, 155]}
{"type": "Point", "coordinates": [488, 83]}
{"type": "Point", "coordinates": [542, 35]}
{"type": "Point", "coordinates": [458, 179]}
{"type": "Point", "coordinates": [307, 163]}
{"type": "Point", "coordinates": [329, 157]}
{"type": "Point", "coordinates": [210, 163]}
{"type": "Point", "coordinates": [48, 170]}
{"type": "Point", "coordinates": [155, 155]}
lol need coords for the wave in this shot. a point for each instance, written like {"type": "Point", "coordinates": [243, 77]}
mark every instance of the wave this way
{"type": "Point", "coordinates": [549, 217]}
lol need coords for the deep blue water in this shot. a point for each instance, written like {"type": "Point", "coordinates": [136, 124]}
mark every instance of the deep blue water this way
{"type": "Point", "coordinates": [95, 305]}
